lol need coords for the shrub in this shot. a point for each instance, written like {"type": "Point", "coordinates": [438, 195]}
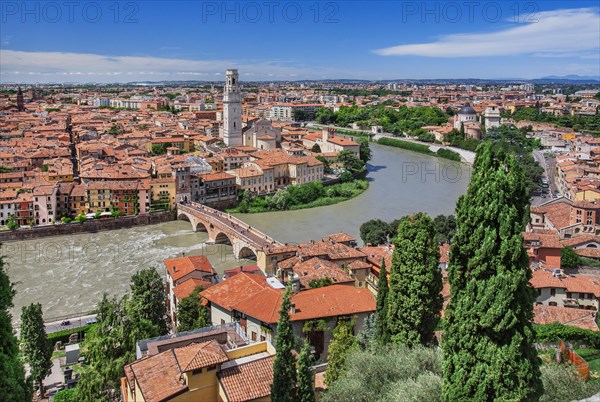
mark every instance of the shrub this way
{"type": "Point", "coordinates": [561, 384]}
{"type": "Point", "coordinates": [411, 146]}
{"type": "Point", "coordinates": [547, 333]}
{"type": "Point", "coordinates": [447, 154]}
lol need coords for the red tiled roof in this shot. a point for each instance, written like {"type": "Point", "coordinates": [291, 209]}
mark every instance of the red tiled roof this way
{"type": "Point", "coordinates": [199, 355]}
{"type": "Point", "coordinates": [575, 317]}
{"type": "Point", "coordinates": [158, 377]}
{"type": "Point", "coordinates": [185, 288]}
{"type": "Point", "coordinates": [179, 267]}
{"type": "Point", "coordinates": [247, 382]}
{"type": "Point", "coordinates": [235, 289]}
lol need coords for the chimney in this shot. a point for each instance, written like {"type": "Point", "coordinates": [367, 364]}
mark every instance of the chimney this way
{"type": "Point", "coordinates": [292, 308]}
{"type": "Point", "coordinates": [174, 268]}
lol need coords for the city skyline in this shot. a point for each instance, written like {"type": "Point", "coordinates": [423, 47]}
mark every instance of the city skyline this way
{"type": "Point", "coordinates": [290, 41]}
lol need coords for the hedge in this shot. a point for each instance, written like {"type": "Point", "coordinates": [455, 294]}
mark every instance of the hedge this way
{"type": "Point", "coordinates": [411, 146]}
{"type": "Point", "coordinates": [63, 335]}
{"type": "Point", "coordinates": [546, 333]}
{"type": "Point", "coordinates": [447, 154]}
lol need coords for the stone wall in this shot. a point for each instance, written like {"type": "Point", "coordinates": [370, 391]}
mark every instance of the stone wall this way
{"type": "Point", "coordinates": [89, 226]}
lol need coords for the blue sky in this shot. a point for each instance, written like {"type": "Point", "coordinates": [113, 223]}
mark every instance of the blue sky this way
{"type": "Point", "coordinates": [109, 41]}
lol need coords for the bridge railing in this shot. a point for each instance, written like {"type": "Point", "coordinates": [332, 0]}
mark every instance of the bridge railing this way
{"type": "Point", "coordinates": [213, 213]}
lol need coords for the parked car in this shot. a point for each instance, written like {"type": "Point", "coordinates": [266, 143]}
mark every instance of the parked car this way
{"type": "Point", "coordinates": [91, 321]}
{"type": "Point", "coordinates": [65, 323]}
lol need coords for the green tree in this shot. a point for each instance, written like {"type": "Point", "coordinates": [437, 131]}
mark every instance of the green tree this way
{"type": "Point", "coordinates": [445, 227]}
{"type": "Point", "coordinates": [365, 151]}
{"type": "Point", "coordinates": [36, 349]}
{"type": "Point", "coordinates": [350, 162]}
{"type": "Point", "coordinates": [488, 335]}
{"type": "Point", "coordinates": [191, 314]}
{"type": "Point", "coordinates": [568, 258]}
{"type": "Point", "coordinates": [14, 387]}
{"type": "Point", "coordinates": [320, 283]}
{"type": "Point", "coordinates": [382, 334]}
{"type": "Point", "coordinates": [306, 389]}
{"type": "Point", "coordinates": [343, 340]}
{"type": "Point", "coordinates": [148, 299]}
{"type": "Point", "coordinates": [316, 148]}
{"type": "Point", "coordinates": [374, 232]}
{"type": "Point", "coordinates": [66, 395]}
{"type": "Point", "coordinates": [414, 302]}
{"type": "Point", "coordinates": [11, 223]}
{"type": "Point", "coordinates": [284, 387]}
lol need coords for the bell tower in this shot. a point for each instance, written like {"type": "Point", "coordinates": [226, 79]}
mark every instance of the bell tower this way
{"type": "Point", "coordinates": [232, 110]}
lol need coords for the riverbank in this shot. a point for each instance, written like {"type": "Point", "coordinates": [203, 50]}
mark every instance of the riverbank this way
{"type": "Point", "coordinates": [89, 226]}
{"type": "Point", "coordinates": [316, 195]}
{"type": "Point", "coordinates": [421, 148]}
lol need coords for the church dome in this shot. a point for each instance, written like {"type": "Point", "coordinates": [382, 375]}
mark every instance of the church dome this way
{"type": "Point", "coordinates": [467, 110]}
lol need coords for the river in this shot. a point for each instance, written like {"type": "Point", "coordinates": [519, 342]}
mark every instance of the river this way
{"type": "Point", "coordinates": [68, 274]}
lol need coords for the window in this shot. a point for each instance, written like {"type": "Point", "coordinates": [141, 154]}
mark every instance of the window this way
{"type": "Point", "coordinates": [253, 336]}
{"type": "Point", "coordinates": [222, 321]}
{"type": "Point", "coordinates": [539, 291]}
{"type": "Point", "coordinates": [263, 338]}
{"type": "Point", "coordinates": [569, 295]}
{"type": "Point", "coordinates": [552, 304]}
{"type": "Point", "coordinates": [552, 292]}
{"type": "Point", "coordinates": [211, 368]}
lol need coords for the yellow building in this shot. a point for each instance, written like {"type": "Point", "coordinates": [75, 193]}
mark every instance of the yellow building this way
{"type": "Point", "coordinates": [203, 371]}
{"type": "Point", "coordinates": [162, 193]}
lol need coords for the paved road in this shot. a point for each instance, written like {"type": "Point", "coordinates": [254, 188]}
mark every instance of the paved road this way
{"type": "Point", "coordinates": [549, 172]}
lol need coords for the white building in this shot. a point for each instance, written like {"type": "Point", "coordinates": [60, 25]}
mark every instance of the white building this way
{"type": "Point", "coordinates": [232, 110]}
{"type": "Point", "coordinates": [492, 117]}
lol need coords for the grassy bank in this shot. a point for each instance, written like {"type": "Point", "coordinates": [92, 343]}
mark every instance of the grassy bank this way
{"type": "Point", "coordinates": [309, 195]}
{"type": "Point", "coordinates": [423, 149]}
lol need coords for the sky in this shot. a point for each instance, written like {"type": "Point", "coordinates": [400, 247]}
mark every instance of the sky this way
{"type": "Point", "coordinates": [124, 41]}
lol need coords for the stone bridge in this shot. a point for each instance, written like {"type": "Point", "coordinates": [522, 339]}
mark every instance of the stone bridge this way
{"type": "Point", "coordinates": [223, 228]}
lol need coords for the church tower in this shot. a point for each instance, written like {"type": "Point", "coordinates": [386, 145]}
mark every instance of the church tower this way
{"type": "Point", "coordinates": [232, 110]}
{"type": "Point", "coordinates": [20, 101]}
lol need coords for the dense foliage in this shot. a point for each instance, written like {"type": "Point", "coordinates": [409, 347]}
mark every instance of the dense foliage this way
{"type": "Point", "coordinates": [402, 374]}
{"type": "Point", "coordinates": [393, 120]}
{"type": "Point", "coordinates": [516, 142]}
{"type": "Point", "coordinates": [379, 377]}
{"type": "Point", "coordinates": [284, 387]}
{"type": "Point", "coordinates": [36, 349]}
{"type": "Point", "coordinates": [374, 232]}
{"type": "Point", "coordinates": [14, 387]}
{"type": "Point", "coordinates": [301, 196]}
{"type": "Point", "coordinates": [569, 258]}
{"type": "Point", "coordinates": [343, 340]}
{"type": "Point", "coordinates": [445, 226]}
{"type": "Point", "coordinates": [577, 122]}
{"type": "Point", "coordinates": [382, 333]}
{"type": "Point", "coordinates": [414, 301]}
{"type": "Point", "coordinates": [191, 314]}
{"type": "Point", "coordinates": [488, 326]}
{"type": "Point", "coordinates": [111, 342]}
{"type": "Point", "coordinates": [306, 389]}
{"type": "Point", "coordinates": [551, 333]}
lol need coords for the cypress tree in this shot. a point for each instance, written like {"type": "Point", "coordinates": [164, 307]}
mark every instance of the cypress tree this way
{"type": "Point", "coordinates": [343, 340]}
{"type": "Point", "coordinates": [13, 385]}
{"type": "Point", "coordinates": [415, 301]}
{"type": "Point", "coordinates": [36, 348]}
{"type": "Point", "coordinates": [306, 389]}
{"type": "Point", "coordinates": [487, 342]}
{"type": "Point", "coordinates": [284, 388]}
{"type": "Point", "coordinates": [382, 333]}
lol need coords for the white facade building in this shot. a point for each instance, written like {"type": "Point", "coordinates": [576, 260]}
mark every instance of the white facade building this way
{"type": "Point", "coordinates": [232, 110]}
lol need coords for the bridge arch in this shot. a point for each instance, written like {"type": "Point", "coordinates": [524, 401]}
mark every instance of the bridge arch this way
{"type": "Point", "coordinates": [222, 238]}
{"type": "Point", "coordinates": [247, 253]}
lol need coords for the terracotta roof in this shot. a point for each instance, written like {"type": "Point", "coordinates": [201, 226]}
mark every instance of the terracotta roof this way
{"type": "Point", "coordinates": [545, 238]}
{"type": "Point", "coordinates": [199, 355]}
{"type": "Point", "coordinates": [158, 377]}
{"type": "Point", "coordinates": [248, 381]}
{"type": "Point", "coordinates": [339, 237]}
{"type": "Point", "coordinates": [576, 283]}
{"type": "Point", "coordinates": [179, 267]}
{"type": "Point", "coordinates": [185, 288]}
{"type": "Point", "coordinates": [575, 317]}
{"type": "Point", "coordinates": [332, 301]}
{"type": "Point", "coordinates": [444, 252]}
{"type": "Point", "coordinates": [235, 289]}
{"type": "Point", "coordinates": [317, 268]}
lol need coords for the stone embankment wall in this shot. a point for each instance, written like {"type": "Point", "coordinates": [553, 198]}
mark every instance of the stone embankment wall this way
{"type": "Point", "coordinates": [89, 226]}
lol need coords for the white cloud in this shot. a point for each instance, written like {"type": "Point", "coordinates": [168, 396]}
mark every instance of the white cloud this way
{"type": "Point", "coordinates": [54, 66]}
{"type": "Point", "coordinates": [558, 32]}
